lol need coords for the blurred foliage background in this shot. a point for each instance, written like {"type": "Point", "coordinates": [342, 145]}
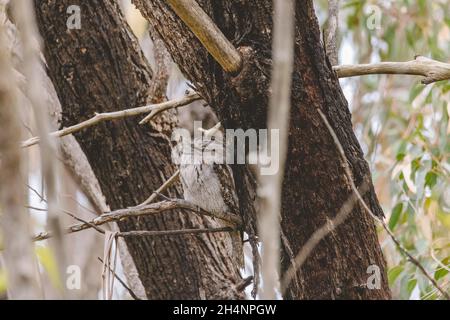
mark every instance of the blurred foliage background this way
{"type": "Point", "coordinates": [402, 125]}
{"type": "Point", "coordinates": [404, 129]}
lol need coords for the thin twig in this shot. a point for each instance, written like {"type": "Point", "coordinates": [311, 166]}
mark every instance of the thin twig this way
{"type": "Point", "coordinates": [317, 236]}
{"type": "Point", "coordinates": [109, 255]}
{"type": "Point", "coordinates": [36, 208]}
{"type": "Point", "coordinates": [341, 217]}
{"type": "Point", "coordinates": [233, 291]}
{"type": "Point", "coordinates": [101, 117]}
{"type": "Point", "coordinates": [441, 265]}
{"type": "Point", "coordinates": [431, 69]}
{"type": "Point", "coordinates": [381, 221]}
{"type": "Point", "coordinates": [145, 233]}
{"type": "Point", "coordinates": [244, 284]}
{"type": "Point", "coordinates": [151, 209]}
{"type": "Point", "coordinates": [412, 259]}
{"type": "Point", "coordinates": [278, 119]}
{"type": "Point", "coordinates": [132, 294]}
{"type": "Point", "coordinates": [78, 203]}
{"type": "Point", "coordinates": [84, 221]}
{"type": "Point", "coordinates": [166, 185]}
{"type": "Point", "coordinates": [41, 197]}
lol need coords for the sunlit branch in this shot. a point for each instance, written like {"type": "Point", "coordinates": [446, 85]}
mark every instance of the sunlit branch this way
{"type": "Point", "coordinates": [141, 211]}
{"type": "Point", "coordinates": [430, 69]}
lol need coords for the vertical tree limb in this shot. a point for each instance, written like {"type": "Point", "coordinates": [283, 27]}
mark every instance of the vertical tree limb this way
{"type": "Point", "coordinates": [279, 115]}
{"type": "Point", "coordinates": [19, 258]}
{"type": "Point", "coordinates": [30, 39]}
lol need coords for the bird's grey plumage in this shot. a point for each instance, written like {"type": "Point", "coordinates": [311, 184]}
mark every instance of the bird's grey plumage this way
{"type": "Point", "coordinates": [210, 185]}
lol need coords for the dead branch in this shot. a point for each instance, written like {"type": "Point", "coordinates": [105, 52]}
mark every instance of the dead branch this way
{"type": "Point", "coordinates": [141, 211]}
{"type": "Point", "coordinates": [173, 232]}
{"type": "Point", "coordinates": [130, 291]}
{"type": "Point", "coordinates": [101, 117]}
{"type": "Point", "coordinates": [208, 33]}
{"type": "Point", "coordinates": [431, 69]}
{"type": "Point", "coordinates": [166, 185]}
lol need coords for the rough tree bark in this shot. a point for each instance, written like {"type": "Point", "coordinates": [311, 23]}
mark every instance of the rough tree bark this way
{"type": "Point", "coordinates": [315, 186]}
{"type": "Point", "coordinates": [100, 68]}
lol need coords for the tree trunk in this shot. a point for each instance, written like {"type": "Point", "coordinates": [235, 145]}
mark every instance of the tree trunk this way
{"type": "Point", "coordinates": [100, 68]}
{"type": "Point", "coordinates": [315, 185]}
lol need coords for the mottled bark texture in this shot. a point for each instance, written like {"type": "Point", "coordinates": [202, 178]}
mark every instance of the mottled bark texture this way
{"type": "Point", "coordinates": [100, 68]}
{"type": "Point", "coordinates": [315, 186]}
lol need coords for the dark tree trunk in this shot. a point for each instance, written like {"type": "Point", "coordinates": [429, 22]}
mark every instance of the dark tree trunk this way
{"type": "Point", "coordinates": [315, 185]}
{"type": "Point", "coordinates": [101, 68]}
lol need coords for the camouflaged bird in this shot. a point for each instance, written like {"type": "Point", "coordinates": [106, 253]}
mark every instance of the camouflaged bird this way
{"type": "Point", "coordinates": [208, 183]}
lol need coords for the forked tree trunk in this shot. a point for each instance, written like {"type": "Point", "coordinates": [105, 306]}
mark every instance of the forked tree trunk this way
{"type": "Point", "coordinates": [315, 186]}
{"type": "Point", "coordinates": [100, 68]}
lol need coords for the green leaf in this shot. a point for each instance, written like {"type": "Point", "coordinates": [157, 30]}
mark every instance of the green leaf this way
{"type": "Point", "coordinates": [411, 285]}
{"type": "Point", "coordinates": [393, 274]}
{"type": "Point", "coordinates": [395, 215]}
{"type": "Point", "coordinates": [442, 272]}
{"type": "Point", "coordinates": [416, 90]}
{"type": "Point", "coordinates": [401, 152]}
{"type": "Point", "coordinates": [431, 179]}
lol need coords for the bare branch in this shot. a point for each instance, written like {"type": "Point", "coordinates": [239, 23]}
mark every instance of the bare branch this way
{"type": "Point", "coordinates": [279, 111]}
{"type": "Point", "coordinates": [244, 284]}
{"type": "Point", "coordinates": [101, 117]}
{"type": "Point", "coordinates": [381, 221]}
{"type": "Point", "coordinates": [208, 33]}
{"type": "Point", "coordinates": [412, 259]}
{"type": "Point", "coordinates": [141, 211]}
{"type": "Point", "coordinates": [431, 69]}
{"type": "Point", "coordinates": [173, 232]}
{"type": "Point", "coordinates": [131, 292]}
{"type": "Point", "coordinates": [166, 185]}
